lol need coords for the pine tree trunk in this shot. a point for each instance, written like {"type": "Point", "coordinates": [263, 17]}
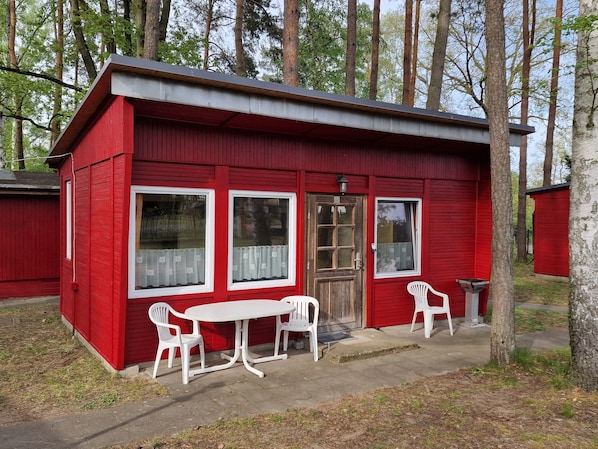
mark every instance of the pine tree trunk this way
{"type": "Point", "coordinates": [583, 226]}
{"type": "Point", "coordinates": [438, 56]}
{"type": "Point", "coordinates": [290, 44]}
{"type": "Point", "coordinates": [407, 52]}
{"type": "Point", "coordinates": [152, 30]}
{"type": "Point", "coordinates": [375, 51]}
{"type": "Point", "coordinates": [239, 52]}
{"type": "Point", "coordinates": [351, 48]}
{"type": "Point", "coordinates": [502, 337]}
{"type": "Point", "coordinates": [554, 87]}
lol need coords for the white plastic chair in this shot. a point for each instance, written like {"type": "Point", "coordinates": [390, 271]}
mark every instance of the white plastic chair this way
{"type": "Point", "coordinates": [420, 290]}
{"type": "Point", "coordinates": [299, 322]}
{"type": "Point", "coordinates": [159, 314]}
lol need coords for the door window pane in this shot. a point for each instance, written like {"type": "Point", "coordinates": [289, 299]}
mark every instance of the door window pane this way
{"type": "Point", "coordinates": [397, 243]}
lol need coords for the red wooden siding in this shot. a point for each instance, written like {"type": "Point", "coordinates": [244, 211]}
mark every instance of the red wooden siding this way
{"type": "Point", "coordinates": [92, 298]}
{"type": "Point", "coordinates": [29, 244]}
{"type": "Point", "coordinates": [551, 227]}
{"type": "Point", "coordinates": [177, 154]}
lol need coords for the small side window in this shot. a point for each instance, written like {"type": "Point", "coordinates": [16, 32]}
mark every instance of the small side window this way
{"type": "Point", "coordinates": [398, 248]}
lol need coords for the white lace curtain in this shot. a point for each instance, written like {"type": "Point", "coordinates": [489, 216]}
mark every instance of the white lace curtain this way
{"type": "Point", "coordinates": [394, 257]}
{"type": "Point", "coordinates": [260, 262]}
{"type": "Point", "coordinates": [169, 267]}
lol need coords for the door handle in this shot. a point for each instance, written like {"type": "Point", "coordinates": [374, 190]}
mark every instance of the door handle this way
{"type": "Point", "coordinates": [358, 262]}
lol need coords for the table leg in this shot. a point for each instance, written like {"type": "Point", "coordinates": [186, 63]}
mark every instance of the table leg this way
{"type": "Point", "coordinates": [244, 352]}
{"type": "Point", "coordinates": [231, 359]}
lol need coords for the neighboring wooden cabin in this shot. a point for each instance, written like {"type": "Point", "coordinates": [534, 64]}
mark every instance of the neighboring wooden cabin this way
{"type": "Point", "coordinates": [194, 187]}
{"type": "Point", "coordinates": [551, 229]}
{"type": "Point", "coordinates": [29, 234]}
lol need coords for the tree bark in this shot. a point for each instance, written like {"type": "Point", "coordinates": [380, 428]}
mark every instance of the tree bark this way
{"type": "Point", "coordinates": [107, 31]}
{"type": "Point", "coordinates": [528, 41]}
{"type": "Point", "coordinates": [18, 154]}
{"type": "Point", "coordinates": [407, 52]}
{"type": "Point", "coordinates": [290, 43]}
{"type": "Point", "coordinates": [439, 56]}
{"type": "Point", "coordinates": [151, 30]}
{"type": "Point", "coordinates": [139, 8]}
{"type": "Point", "coordinates": [164, 18]}
{"type": "Point", "coordinates": [208, 30]}
{"type": "Point", "coordinates": [414, 54]}
{"type": "Point", "coordinates": [240, 69]}
{"type": "Point", "coordinates": [59, 38]}
{"type": "Point", "coordinates": [554, 87]}
{"type": "Point", "coordinates": [375, 51]}
{"type": "Point", "coordinates": [583, 226]}
{"type": "Point", "coordinates": [82, 46]}
{"type": "Point", "coordinates": [502, 337]}
{"type": "Point", "coordinates": [351, 48]}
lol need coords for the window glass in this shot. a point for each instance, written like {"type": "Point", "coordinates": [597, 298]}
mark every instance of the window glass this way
{"type": "Point", "coordinates": [262, 239]}
{"type": "Point", "coordinates": [170, 241]}
{"type": "Point", "coordinates": [397, 237]}
{"type": "Point", "coordinates": [69, 220]}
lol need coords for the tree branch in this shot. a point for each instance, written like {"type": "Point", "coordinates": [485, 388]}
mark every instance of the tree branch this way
{"type": "Point", "coordinates": [42, 76]}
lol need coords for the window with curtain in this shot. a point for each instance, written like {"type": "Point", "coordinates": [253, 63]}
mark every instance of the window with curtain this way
{"type": "Point", "coordinates": [398, 248]}
{"type": "Point", "coordinates": [262, 232]}
{"type": "Point", "coordinates": [170, 241]}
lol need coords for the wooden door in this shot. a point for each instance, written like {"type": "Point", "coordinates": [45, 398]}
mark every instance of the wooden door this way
{"type": "Point", "coordinates": [335, 259]}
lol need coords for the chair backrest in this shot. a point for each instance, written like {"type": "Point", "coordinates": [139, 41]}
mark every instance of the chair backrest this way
{"type": "Point", "coordinates": [419, 290]}
{"type": "Point", "coordinates": [159, 314]}
{"type": "Point", "coordinates": [300, 317]}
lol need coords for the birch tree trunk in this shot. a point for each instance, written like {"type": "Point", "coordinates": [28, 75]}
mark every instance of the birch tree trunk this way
{"type": "Point", "coordinates": [583, 223]}
{"type": "Point", "coordinates": [502, 336]}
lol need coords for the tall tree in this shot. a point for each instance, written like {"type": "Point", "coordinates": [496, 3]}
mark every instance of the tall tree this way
{"type": "Point", "coordinates": [502, 337]}
{"type": "Point", "coordinates": [554, 87]}
{"type": "Point", "coordinates": [529, 15]}
{"type": "Point", "coordinates": [59, 38]}
{"type": "Point", "coordinates": [583, 226]}
{"type": "Point", "coordinates": [439, 55]}
{"type": "Point", "coordinates": [240, 68]}
{"type": "Point", "coordinates": [290, 43]}
{"type": "Point", "coordinates": [408, 53]}
{"type": "Point", "coordinates": [375, 51]}
{"type": "Point", "coordinates": [151, 30]}
{"type": "Point", "coordinates": [18, 101]}
{"type": "Point", "coordinates": [81, 41]}
{"type": "Point", "coordinates": [351, 48]}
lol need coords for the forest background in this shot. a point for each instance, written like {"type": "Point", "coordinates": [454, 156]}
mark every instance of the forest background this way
{"type": "Point", "coordinates": [53, 50]}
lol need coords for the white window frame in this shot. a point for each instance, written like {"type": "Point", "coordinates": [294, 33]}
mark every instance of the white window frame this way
{"type": "Point", "coordinates": [68, 198]}
{"type": "Point", "coordinates": [416, 237]}
{"type": "Point", "coordinates": [208, 285]}
{"type": "Point", "coordinates": [292, 240]}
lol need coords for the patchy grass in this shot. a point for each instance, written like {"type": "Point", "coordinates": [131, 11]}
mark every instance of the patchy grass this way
{"type": "Point", "coordinates": [537, 289]}
{"type": "Point", "coordinates": [526, 405]}
{"type": "Point", "coordinates": [45, 372]}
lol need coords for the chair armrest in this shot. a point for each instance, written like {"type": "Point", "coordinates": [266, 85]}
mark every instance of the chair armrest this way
{"type": "Point", "coordinates": [444, 296]}
{"type": "Point", "coordinates": [187, 318]}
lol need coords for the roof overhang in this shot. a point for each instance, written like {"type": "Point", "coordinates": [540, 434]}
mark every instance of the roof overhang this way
{"type": "Point", "coordinates": [300, 111]}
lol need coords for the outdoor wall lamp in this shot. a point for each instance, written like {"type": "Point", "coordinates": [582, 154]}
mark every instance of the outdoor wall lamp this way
{"type": "Point", "coordinates": [342, 183]}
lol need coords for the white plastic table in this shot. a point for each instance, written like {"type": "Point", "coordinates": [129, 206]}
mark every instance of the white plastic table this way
{"type": "Point", "coordinates": [240, 312]}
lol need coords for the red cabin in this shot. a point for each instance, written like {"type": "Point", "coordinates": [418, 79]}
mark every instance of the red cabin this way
{"type": "Point", "coordinates": [195, 187]}
{"type": "Point", "coordinates": [551, 229]}
{"type": "Point", "coordinates": [29, 234]}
